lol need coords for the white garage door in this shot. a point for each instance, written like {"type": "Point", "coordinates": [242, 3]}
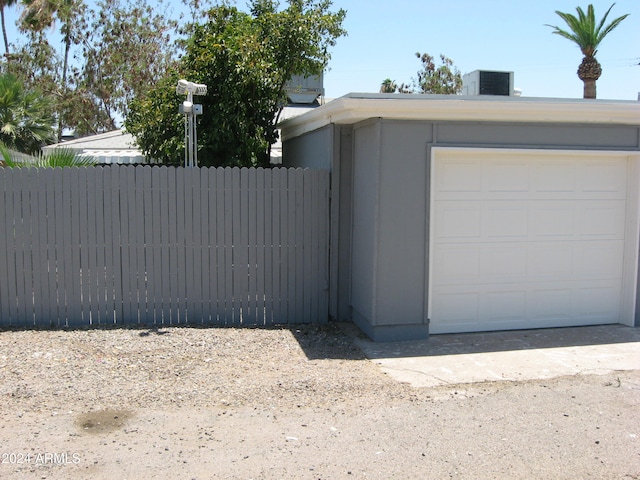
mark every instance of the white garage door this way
{"type": "Point", "coordinates": [526, 239]}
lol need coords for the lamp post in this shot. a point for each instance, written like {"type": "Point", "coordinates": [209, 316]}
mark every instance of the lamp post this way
{"type": "Point", "coordinates": [190, 112]}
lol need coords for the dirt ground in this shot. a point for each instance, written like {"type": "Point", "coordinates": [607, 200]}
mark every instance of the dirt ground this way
{"type": "Point", "coordinates": [303, 403]}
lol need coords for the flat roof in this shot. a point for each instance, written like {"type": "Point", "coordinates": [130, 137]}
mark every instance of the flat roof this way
{"type": "Point", "coordinates": [356, 107]}
{"type": "Point", "coordinates": [114, 140]}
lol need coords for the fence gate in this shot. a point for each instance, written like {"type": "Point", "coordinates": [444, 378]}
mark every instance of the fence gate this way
{"type": "Point", "coordinates": [163, 246]}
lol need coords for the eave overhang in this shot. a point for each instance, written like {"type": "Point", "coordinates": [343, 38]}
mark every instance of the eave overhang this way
{"type": "Point", "coordinates": [356, 107]}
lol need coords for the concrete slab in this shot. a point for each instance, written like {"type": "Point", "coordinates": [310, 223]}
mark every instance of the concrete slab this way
{"type": "Point", "coordinates": [512, 355]}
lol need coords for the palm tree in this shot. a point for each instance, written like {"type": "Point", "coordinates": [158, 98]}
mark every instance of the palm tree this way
{"type": "Point", "coordinates": [3, 4]}
{"type": "Point", "coordinates": [588, 35]}
{"type": "Point", "coordinates": [388, 86]}
{"type": "Point", "coordinates": [38, 15]}
{"type": "Point", "coordinates": [26, 122]}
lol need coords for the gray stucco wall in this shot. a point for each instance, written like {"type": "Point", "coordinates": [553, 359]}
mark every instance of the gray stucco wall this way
{"type": "Point", "coordinates": [402, 224]}
{"type": "Point", "coordinates": [312, 150]}
{"type": "Point", "coordinates": [538, 136]}
{"type": "Point", "coordinates": [364, 257]}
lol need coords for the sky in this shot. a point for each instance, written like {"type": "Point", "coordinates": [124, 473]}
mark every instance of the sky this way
{"type": "Point", "coordinates": [501, 35]}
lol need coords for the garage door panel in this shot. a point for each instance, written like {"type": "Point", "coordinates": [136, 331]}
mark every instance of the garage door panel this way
{"type": "Point", "coordinates": [458, 220]}
{"type": "Point", "coordinates": [505, 221]}
{"type": "Point", "coordinates": [507, 306]}
{"type": "Point", "coordinates": [601, 260]}
{"type": "Point", "coordinates": [551, 262]}
{"type": "Point", "coordinates": [460, 175]}
{"type": "Point", "coordinates": [457, 264]}
{"type": "Point", "coordinates": [601, 219]}
{"type": "Point", "coordinates": [528, 262]}
{"type": "Point", "coordinates": [553, 177]}
{"type": "Point", "coordinates": [531, 242]}
{"type": "Point", "coordinates": [602, 303]}
{"type": "Point", "coordinates": [537, 220]}
{"type": "Point", "coordinates": [606, 176]}
{"type": "Point", "coordinates": [460, 308]}
{"type": "Point", "coordinates": [552, 220]}
{"type": "Point", "coordinates": [503, 264]}
{"type": "Point", "coordinates": [481, 307]}
{"type": "Point", "coordinates": [551, 303]}
{"type": "Point", "coordinates": [506, 176]}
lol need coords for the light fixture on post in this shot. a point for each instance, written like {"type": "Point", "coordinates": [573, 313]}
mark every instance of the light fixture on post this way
{"type": "Point", "coordinates": [190, 112]}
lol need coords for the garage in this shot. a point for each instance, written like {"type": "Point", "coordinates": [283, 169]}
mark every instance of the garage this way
{"type": "Point", "coordinates": [530, 239]}
{"type": "Point", "coordinates": [477, 213]}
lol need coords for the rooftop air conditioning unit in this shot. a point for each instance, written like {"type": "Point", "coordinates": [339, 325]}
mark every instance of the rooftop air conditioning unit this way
{"type": "Point", "coordinates": [484, 82]}
{"type": "Point", "coordinates": [304, 89]}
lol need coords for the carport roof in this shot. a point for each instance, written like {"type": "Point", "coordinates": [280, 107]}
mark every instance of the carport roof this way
{"type": "Point", "coordinates": [356, 107]}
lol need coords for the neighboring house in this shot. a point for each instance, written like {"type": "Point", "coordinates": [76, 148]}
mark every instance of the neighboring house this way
{"type": "Point", "coordinates": [476, 213]}
{"type": "Point", "coordinates": [111, 147]}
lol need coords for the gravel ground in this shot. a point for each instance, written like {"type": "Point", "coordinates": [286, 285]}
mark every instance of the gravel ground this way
{"type": "Point", "coordinates": [289, 403]}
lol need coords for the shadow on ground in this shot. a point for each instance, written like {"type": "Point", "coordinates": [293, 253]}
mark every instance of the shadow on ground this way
{"type": "Point", "coordinates": [330, 341]}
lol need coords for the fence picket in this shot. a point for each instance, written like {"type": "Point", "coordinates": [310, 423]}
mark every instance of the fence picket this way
{"type": "Point", "coordinates": [181, 241]}
{"type": "Point", "coordinates": [262, 268]}
{"type": "Point", "coordinates": [95, 216]}
{"type": "Point", "coordinates": [172, 245]}
{"type": "Point", "coordinates": [108, 239]}
{"type": "Point", "coordinates": [299, 238]}
{"type": "Point", "coordinates": [127, 213]}
{"type": "Point", "coordinates": [223, 237]}
{"type": "Point", "coordinates": [6, 229]}
{"type": "Point", "coordinates": [156, 242]}
{"type": "Point", "coordinates": [205, 247]}
{"type": "Point", "coordinates": [251, 235]}
{"type": "Point", "coordinates": [212, 277]}
{"type": "Point", "coordinates": [281, 252]}
{"type": "Point", "coordinates": [38, 248]}
{"type": "Point", "coordinates": [10, 310]}
{"type": "Point", "coordinates": [57, 222]}
{"type": "Point", "coordinates": [196, 246]}
{"type": "Point", "coordinates": [118, 185]}
{"type": "Point", "coordinates": [308, 272]}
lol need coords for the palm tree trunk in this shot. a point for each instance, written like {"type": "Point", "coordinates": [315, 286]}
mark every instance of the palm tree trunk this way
{"type": "Point", "coordinates": [4, 32]}
{"type": "Point", "coordinates": [589, 89]}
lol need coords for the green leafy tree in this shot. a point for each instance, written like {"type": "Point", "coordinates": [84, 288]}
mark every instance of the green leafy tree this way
{"type": "Point", "coordinates": [26, 122]}
{"type": "Point", "coordinates": [587, 33]}
{"type": "Point", "coordinates": [245, 59]}
{"type": "Point", "coordinates": [128, 48]}
{"type": "Point", "coordinates": [442, 79]}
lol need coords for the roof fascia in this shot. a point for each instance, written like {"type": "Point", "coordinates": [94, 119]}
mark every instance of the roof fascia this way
{"type": "Point", "coordinates": [351, 109]}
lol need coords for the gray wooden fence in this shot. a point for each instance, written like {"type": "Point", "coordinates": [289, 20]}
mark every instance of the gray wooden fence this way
{"type": "Point", "coordinates": [163, 246]}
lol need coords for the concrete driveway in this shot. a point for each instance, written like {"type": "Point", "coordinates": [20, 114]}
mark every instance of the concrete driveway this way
{"type": "Point", "coordinates": [511, 355]}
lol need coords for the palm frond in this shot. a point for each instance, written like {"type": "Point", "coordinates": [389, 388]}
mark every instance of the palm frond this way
{"type": "Point", "coordinates": [583, 30]}
{"type": "Point", "coordinates": [59, 157]}
{"type": "Point", "coordinates": [64, 157]}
